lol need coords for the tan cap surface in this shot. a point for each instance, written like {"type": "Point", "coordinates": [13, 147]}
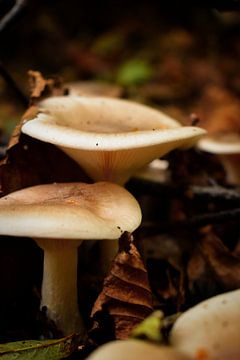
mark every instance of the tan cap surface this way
{"type": "Point", "coordinates": [212, 328]}
{"type": "Point", "coordinates": [71, 211]}
{"type": "Point", "coordinates": [135, 350]}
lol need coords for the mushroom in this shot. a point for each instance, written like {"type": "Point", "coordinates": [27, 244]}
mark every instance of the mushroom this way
{"type": "Point", "coordinates": [227, 147]}
{"type": "Point", "coordinates": [135, 349]}
{"type": "Point", "coordinates": [94, 88]}
{"type": "Point", "coordinates": [110, 138]}
{"type": "Point", "coordinates": [219, 112]}
{"type": "Point", "coordinates": [156, 171]}
{"type": "Point", "coordinates": [59, 217]}
{"type": "Point", "coordinates": [210, 329]}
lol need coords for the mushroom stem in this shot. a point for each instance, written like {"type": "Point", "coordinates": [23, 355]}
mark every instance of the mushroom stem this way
{"type": "Point", "coordinates": [108, 251]}
{"type": "Point", "coordinates": [231, 165]}
{"type": "Point", "coordinates": [59, 285]}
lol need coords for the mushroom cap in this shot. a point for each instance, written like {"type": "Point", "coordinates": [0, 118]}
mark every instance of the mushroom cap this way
{"type": "Point", "coordinates": [94, 88]}
{"type": "Point", "coordinates": [98, 123]}
{"type": "Point", "coordinates": [110, 138]}
{"type": "Point", "coordinates": [221, 144]}
{"type": "Point", "coordinates": [69, 211]}
{"type": "Point", "coordinates": [135, 349]}
{"type": "Point", "coordinates": [212, 328]}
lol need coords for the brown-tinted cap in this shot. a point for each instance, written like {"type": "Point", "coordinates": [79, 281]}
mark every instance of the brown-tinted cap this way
{"type": "Point", "coordinates": [69, 211]}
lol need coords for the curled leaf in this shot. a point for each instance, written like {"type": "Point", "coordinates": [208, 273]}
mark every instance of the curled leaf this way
{"type": "Point", "coordinates": [126, 298]}
{"type": "Point", "coordinates": [39, 350]}
{"type": "Point", "coordinates": [31, 162]}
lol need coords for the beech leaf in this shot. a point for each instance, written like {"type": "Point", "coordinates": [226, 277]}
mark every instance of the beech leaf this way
{"type": "Point", "coordinates": [223, 264]}
{"type": "Point", "coordinates": [30, 162]}
{"type": "Point", "coordinates": [39, 350]}
{"type": "Point", "coordinates": [126, 297]}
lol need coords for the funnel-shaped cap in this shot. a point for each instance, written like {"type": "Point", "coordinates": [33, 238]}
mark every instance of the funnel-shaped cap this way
{"type": "Point", "coordinates": [110, 138]}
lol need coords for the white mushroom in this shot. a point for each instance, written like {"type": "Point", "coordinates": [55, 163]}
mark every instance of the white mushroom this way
{"type": "Point", "coordinates": [227, 147]}
{"type": "Point", "coordinates": [110, 138]}
{"type": "Point", "coordinates": [156, 171]}
{"type": "Point", "coordinates": [94, 88]}
{"type": "Point", "coordinates": [135, 349]}
{"type": "Point", "coordinates": [59, 217]}
{"type": "Point", "coordinates": [211, 329]}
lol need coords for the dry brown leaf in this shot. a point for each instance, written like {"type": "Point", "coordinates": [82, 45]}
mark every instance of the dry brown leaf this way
{"type": "Point", "coordinates": [224, 265]}
{"type": "Point", "coordinates": [126, 297]}
{"type": "Point", "coordinates": [30, 162]}
{"type": "Point", "coordinates": [41, 87]}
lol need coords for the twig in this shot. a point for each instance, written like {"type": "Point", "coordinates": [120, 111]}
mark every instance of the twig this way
{"type": "Point", "coordinates": [4, 22]}
{"type": "Point", "coordinates": [213, 193]}
{"type": "Point", "coordinates": [216, 192]}
{"type": "Point", "coordinates": [190, 223]}
{"type": "Point", "coordinates": [10, 16]}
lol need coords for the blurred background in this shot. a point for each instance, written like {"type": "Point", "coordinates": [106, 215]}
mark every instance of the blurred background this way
{"type": "Point", "coordinates": [180, 58]}
{"type": "Point", "coordinates": [171, 55]}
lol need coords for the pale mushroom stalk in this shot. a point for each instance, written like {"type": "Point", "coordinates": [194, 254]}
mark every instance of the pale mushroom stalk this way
{"type": "Point", "coordinates": [59, 281]}
{"type": "Point", "coordinates": [59, 217]}
{"type": "Point", "coordinates": [227, 148]}
{"type": "Point", "coordinates": [111, 139]}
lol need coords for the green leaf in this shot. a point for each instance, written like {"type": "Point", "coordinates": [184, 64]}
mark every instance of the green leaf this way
{"type": "Point", "coordinates": [39, 350]}
{"type": "Point", "coordinates": [133, 72]}
{"type": "Point", "coordinates": [150, 328]}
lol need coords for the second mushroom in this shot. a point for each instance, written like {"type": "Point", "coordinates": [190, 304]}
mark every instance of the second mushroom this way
{"type": "Point", "coordinates": [59, 217]}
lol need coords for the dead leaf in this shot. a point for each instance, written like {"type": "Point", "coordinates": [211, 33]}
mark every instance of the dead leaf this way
{"type": "Point", "coordinates": [31, 162]}
{"type": "Point", "coordinates": [126, 297]}
{"type": "Point", "coordinates": [40, 349]}
{"type": "Point", "coordinates": [224, 265]}
{"type": "Point", "coordinates": [201, 281]}
{"type": "Point", "coordinates": [41, 87]}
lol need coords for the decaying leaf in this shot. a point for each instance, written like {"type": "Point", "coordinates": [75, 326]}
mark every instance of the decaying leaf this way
{"type": "Point", "coordinates": [41, 87]}
{"type": "Point", "coordinates": [39, 350]}
{"type": "Point", "coordinates": [224, 265]}
{"type": "Point", "coordinates": [201, 281]}
{"type": "Point", "coordinates": [30, 162]}
{"type": "Point", "coordinates": [126, 298]}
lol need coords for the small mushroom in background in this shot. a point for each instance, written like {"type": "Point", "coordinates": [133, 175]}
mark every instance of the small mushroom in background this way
{"type": "Point", "coordinates": [219, 111]}
{"type": "Point", "coordinates": [59, 217]}
{"type": "Point", "coordinates": [136, 349]}
{"type": "Point", "coordinates": [94, 88]}
{"type": "Point", "coordinates": [211, 329]}
{"type": "Point", "coordinates": [227, 148]}
{"type": "Point", "coordinates": [110, 138]}
{"type": "Point", "coordinates": [156, 171]}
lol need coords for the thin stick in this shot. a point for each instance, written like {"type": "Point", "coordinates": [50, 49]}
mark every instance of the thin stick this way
{"type": "Point", "coordinates": [193, 222]}
{"type": "Point", "coordinates": [15, 10]}
{"type": "Point", "coordinates": [213, 193]}
{"type": "Point", "coordinates": [4, 22]}
{"type": "Point", "coordinates": [216, 192]}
